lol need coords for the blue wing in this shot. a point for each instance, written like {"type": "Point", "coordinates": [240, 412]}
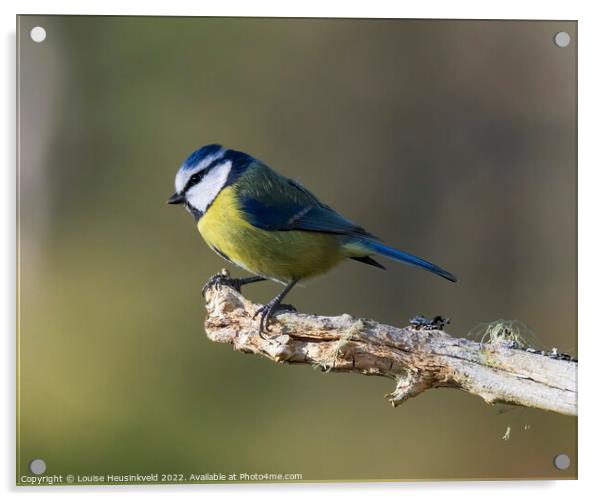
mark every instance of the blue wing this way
{"type": "Point", "coordinates": [275, 203]}
{"type": "Point", "coordinates": [293, 216]}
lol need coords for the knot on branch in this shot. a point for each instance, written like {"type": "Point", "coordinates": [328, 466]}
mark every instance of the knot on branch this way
{"type": "Point", "coordinates": [408, 385]}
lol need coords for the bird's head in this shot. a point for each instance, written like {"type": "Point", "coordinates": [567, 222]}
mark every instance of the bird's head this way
{"type": "Point", "coordinates": [202, 176]}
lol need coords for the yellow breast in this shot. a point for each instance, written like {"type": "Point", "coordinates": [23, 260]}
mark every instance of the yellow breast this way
{"type": "Point", "coordinates": [281, 255]}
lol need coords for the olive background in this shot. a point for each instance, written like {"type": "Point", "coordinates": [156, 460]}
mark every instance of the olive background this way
{"type": "Point", "coordinates": [453, 140]}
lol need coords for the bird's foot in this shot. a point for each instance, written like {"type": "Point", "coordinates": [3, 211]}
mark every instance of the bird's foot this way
{"type": "Point", "coordinates": [222, 278]}
{"type": "Point", "coordinates": [267, 311]}
{"type": "Point", "coordinates": [264, 312]}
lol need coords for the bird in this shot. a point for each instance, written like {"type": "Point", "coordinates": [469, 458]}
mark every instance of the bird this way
{"type": "Point", "coordinates": [271, 225]}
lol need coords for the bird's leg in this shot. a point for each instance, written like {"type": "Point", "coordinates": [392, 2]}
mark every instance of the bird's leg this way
{"type": "Point", "coordinates": [237, 283]}
{"type": "Point", "coordinates": [268, 309]}
{"type": "Point", "coordinates": [224, 279]}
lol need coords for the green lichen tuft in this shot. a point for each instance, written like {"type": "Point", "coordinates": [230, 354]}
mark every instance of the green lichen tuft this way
{"type": "Point", "coordinates": [507, 332]}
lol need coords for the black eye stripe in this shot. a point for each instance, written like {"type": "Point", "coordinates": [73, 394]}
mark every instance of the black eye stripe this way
{"type": "Point", "coordinates": [198, 177]}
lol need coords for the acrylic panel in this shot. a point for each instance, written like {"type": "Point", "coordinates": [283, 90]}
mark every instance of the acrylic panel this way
{"type": "Point", "coordinates": [453, 140]}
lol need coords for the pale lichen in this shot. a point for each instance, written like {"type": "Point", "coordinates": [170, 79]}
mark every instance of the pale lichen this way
{"type": "Point", "coordinates": [503, 332]}
{"type": "Point", "coordinates": [354, 329]}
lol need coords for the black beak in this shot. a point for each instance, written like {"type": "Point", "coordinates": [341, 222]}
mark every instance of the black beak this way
{"type": "Point", "coordinates": [176, 198]}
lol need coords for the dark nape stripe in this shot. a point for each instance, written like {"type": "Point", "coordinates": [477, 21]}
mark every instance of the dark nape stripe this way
{"type": "Point", "coordinates": [197, 214]}
{"type": "Point", "coordinates": [240, 163]}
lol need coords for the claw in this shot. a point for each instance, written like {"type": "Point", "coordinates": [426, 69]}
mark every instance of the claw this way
{"type": "Point", "coordinates": [265, 313]}
{"type": "Point", "coordinates": [220, 279]}
{"type": "Point", "coordinates": [268, 309]}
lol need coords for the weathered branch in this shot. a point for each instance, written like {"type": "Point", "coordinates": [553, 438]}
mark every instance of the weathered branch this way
{"type": "Point", "coordinates": [418, 359]}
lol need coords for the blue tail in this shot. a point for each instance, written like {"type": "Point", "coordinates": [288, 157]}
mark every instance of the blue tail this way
{"type": "Point", "coordinates": [404, 257]}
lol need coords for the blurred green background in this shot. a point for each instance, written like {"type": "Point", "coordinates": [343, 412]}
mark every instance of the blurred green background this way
{"type": "Point", "coordinates": [453, 140]}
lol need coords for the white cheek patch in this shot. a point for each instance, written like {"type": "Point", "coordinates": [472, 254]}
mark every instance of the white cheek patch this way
{"type": "Point", "coordinates": [201, 195]}
{"type": "Point", "coordinates": [184, 174]}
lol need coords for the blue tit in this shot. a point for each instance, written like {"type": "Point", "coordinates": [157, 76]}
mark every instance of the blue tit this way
{"type": "Point", "coordinates": [270, 225]}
